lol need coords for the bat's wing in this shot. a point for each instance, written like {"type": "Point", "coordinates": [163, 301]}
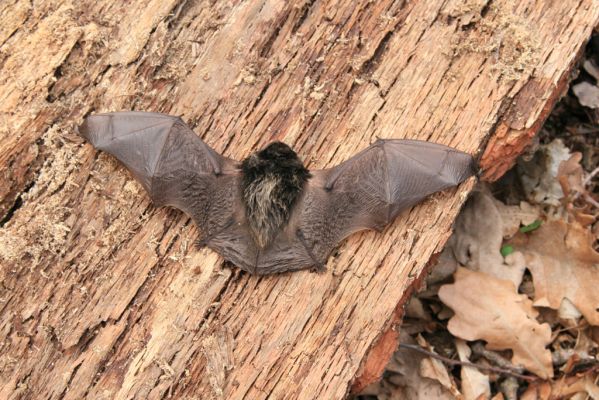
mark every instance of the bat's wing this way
{"type": "Point", "coordinates": [171, 162]}
{"type": "Point", "coordinates": [367, 192]}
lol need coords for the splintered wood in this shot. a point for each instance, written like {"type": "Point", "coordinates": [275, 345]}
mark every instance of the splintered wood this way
{"type": "Point", "coordinates": [104, 296]}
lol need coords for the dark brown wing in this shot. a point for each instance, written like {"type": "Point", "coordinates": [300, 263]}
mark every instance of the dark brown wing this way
{"type": "Point", "coordinates": [171, 162]}
{"type": "Point", "coordinates": [366, 192]}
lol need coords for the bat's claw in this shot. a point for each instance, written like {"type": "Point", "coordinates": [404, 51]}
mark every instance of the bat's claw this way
{"type": "Point", "coordinates": [318, 268]}
{"type": "Point", "coordinates": [379, 140]}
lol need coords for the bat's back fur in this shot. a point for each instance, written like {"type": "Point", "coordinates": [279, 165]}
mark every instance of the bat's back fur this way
{"type": "Point", "coordinates": [273, 178]}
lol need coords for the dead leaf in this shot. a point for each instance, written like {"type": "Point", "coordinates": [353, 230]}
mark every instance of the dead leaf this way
{"type": "Point", "coordinates": [478, 238]}
{"type": "Point", "coordinates": [587, 93]}
{"type": "Point", "coordinates": [475, 384]}
{"type": "Point", "coordinates": [591, 68]}
{"type": "Point", "coordinates": [491, 309]}
{"type": "Point", "coordinates": [585, 345]}
{"type": "Point", "coordinates": [539, 391]}
{"type": "Point", "coordinates": [513, 217]}
{"type": "Point", "coordinates": [563, 264]}
{"type": "Point", "coordinates": [570, 175]}
{"type": "Point", "coordinates": [402, 379]}
{"type": "Point", "coordinates": [538, 176]}
{"type": "Point", "coordinates": [434, 369]}
{"type": "Point", "coordinates": [415, 309]}
{"type": "Point", "coordinates": [563, 388]}
{"type": "Point", "coordinates": [568, 311]}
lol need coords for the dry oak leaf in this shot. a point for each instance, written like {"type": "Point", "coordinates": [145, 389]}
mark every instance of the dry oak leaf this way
{"type": "Point", "coordinates": [434, 369]}
{"type": "Point", "coordinates": [563, 388]}
{"type": "Point", "coordinates": [478, 236]}
{"type": "Point", "coordinates": [475, 384]}
{"type": "Point", "coordinates": [587, 93]}
{"type": "Point", "coordinates": [570, 175]}
{"type": "Point", "coordinates": [402, 379]}
{"type": "Point", "coordinates": [491, 309]}
{"type": "Point", "coordinates": [513, 217]}
{"type": "Point", "coordinates": [538, 176]}
{"type": "Point", "coordinates": [564, 265]}
{"type": "Point", "coordinates": [590, 67]}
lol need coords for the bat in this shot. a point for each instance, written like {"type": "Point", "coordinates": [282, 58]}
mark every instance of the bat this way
{"type": "Point", "coordinates": [269, 214]}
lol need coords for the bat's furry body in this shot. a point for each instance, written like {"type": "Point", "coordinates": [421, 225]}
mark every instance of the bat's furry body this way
{"type": "Point", "coordinates": [272, 181]}
{"type": "Point", "coordinates": [270, 214]}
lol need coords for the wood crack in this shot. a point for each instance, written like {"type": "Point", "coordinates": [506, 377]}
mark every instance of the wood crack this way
{"type": "Point", "coordinates": [70, 381]}
{"type": "Point", "coordinates": [275, 34]}
{"type": "Point", "coordinates": [17, 204]}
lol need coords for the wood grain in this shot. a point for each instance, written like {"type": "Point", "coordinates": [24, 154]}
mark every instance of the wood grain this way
{"type": "Point", "coordinates": [103, 296]}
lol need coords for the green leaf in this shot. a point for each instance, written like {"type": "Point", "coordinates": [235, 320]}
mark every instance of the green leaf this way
{"type": "Point", "coordinates": [506, 250]}
{"type": "Point", "coordinates": [531, 227]}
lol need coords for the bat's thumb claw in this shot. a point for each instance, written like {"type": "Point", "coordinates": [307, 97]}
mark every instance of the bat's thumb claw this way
{"type": "Point", "coordinates": [477, 171]}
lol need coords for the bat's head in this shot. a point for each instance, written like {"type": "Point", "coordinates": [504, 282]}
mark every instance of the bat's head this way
{"type": "Point", "coordinates": [275, 158]}
{"type": "Point", "coordinates": [278, 152]}
{"type": "Point", "coordinates": [273, 178]}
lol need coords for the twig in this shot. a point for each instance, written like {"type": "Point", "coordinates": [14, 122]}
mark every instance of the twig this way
{"type": "Point", "coordinates": [495, 358]}
{"type": "Point", "coordinates": [591, 200]}
{"type": "Point", "coordinates": [590, 176]}
{"type": "Point", "coordinates": [468, 364]}
{"type": "Point", "coordinates": [582, 325]}
{"type": "Point", "coordinates": [587, 197]}
{"type": "Point", "coordinates": [585, 183]}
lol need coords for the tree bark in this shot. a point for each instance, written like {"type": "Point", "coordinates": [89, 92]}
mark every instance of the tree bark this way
{"type": "Point", "coordinates": [103, 295]}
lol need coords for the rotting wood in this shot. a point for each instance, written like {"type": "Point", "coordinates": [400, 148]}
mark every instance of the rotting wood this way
{"type": "Point", "coordinates": [103, 295]}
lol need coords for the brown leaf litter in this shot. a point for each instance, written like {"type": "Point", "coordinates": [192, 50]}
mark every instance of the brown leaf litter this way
{"type": "Point", "coordinates": [563, 266]}
{"type": "Point", "coordinates": [491, 309]}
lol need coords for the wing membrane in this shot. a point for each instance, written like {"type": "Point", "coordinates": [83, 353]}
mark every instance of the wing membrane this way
{"type": "Point", "coordinates": [171, 162]}
{"type": "Point", "coordinates": [369, 190]}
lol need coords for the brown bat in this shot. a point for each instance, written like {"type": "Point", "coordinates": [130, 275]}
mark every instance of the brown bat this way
{"type": "Point", "coordinates": [270, 214]}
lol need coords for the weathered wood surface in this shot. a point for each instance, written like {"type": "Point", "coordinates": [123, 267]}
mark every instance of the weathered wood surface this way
{"type": "Point", "coordinates": [103, 295]}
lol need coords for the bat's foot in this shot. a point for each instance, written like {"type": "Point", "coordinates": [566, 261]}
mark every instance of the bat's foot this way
{"type": "Point", "coordinates": [379, 141]}
{"type": "Point", "coordinates": [319, 268]}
